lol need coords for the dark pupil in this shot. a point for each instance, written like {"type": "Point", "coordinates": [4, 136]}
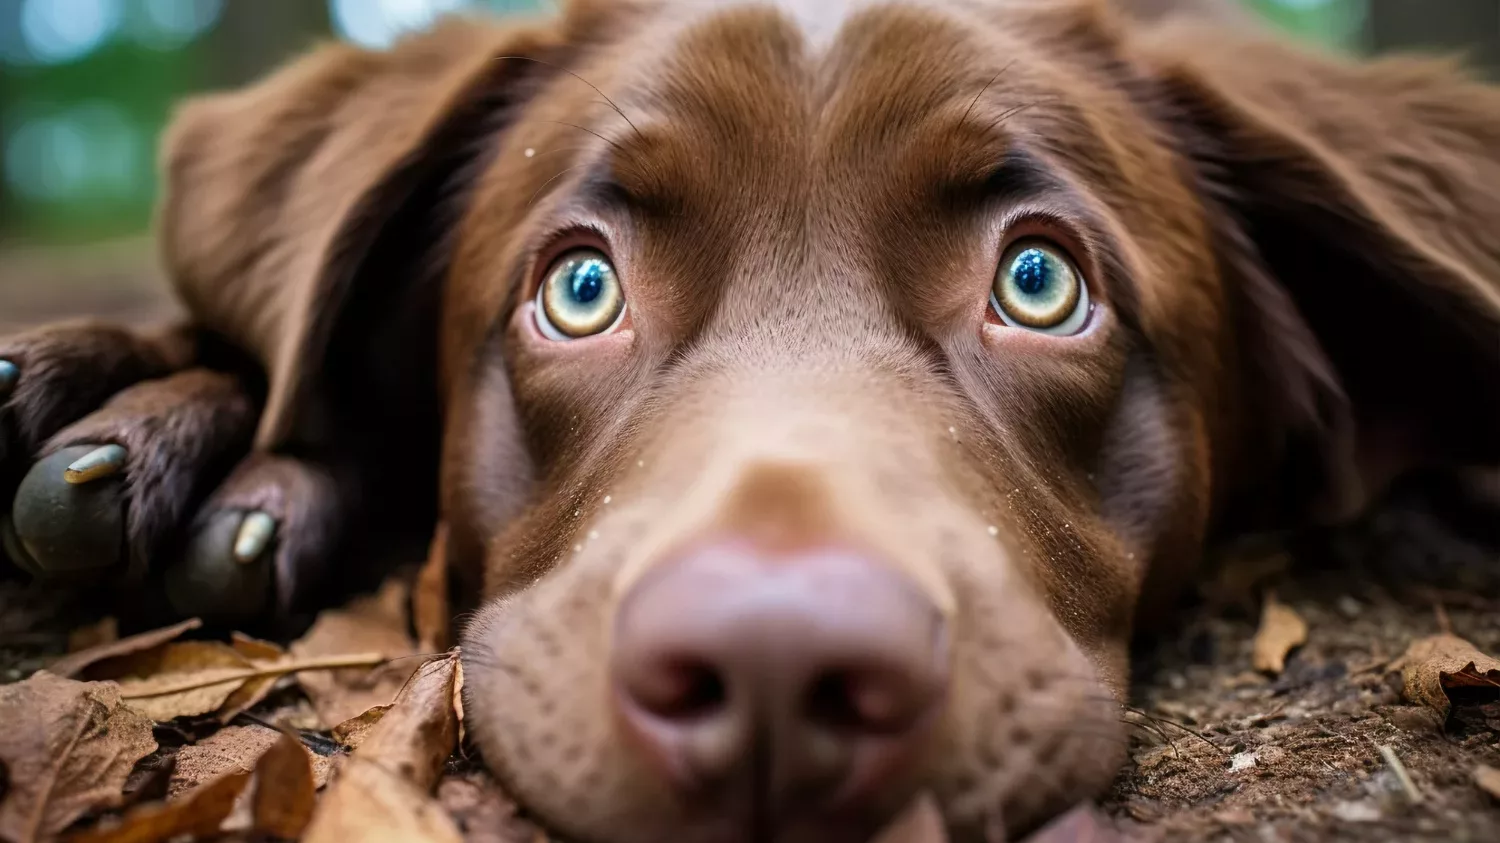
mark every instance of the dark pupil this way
{"type": "Point", "coordinates": [1031, 271]}
{"type": "Point", "coordinates": [587, 281]}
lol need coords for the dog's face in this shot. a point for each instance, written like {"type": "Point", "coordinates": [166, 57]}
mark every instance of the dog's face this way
{"type": "Point", "coordinates": [823, 386]}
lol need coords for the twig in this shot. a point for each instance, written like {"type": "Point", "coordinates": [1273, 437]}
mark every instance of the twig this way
{"type": "Point", "coordinates": [1410, 787]}
{"type": "Point", "coordinates": [270, 669]}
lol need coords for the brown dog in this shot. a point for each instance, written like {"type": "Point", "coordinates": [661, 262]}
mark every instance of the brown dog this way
{"type": "Point", "coordinates": [826, 389]}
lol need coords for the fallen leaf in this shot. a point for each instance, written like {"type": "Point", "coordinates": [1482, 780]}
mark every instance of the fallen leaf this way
{"type": "Point", "coordinates": [1432, 666]}
{"type": "Point", "coordinates": [183, 679]}
{"type": "Point", "coordinates": [285, 794]}
{"type": "Point", "coordinates": [1281, 631]}
{"type": "Point", "coordinates": [429, 603]}
{"type": "Point", "coordinates": [1083, 824]}
{"type": "Point", "coordinates": [68, 748]}
{"type": "Point", "coordinates": [371, 803]}
{"type": "Point", "coordinates": [483, 812]}
{"type": "Point", "coordinates": [921, 823]}
{"type": "Point", "coordinates": [235, 749]}
{"type": "Point", "coordinates": [1488, 779]}
{"type": "Point", "coordinates": [382, 792]}
{"type": "Point", "coordinates": [352, 732]}
{"type": "Point", "coordinates": [374, 624]}
{"type": "Point", "coordinates": [199, 815]}
{"type": "Point", "coordinates": [101, 633]}
{"type": "Point", "coordinates": [256, 689]}
{"type": "Point", "coordinates": [74, 665]}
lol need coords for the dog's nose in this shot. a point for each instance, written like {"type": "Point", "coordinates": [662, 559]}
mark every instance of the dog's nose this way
{"type": "Point", "coordinates": [807, 681]}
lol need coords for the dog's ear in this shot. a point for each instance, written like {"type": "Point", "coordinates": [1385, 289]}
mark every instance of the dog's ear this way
{"type": "Point", "coordinates": [310, 210]}
{"type": "Point", "coordinates": [1356, 207]}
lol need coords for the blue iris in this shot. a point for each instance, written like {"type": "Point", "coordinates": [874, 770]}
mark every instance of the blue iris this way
{"type": "Point", "coordinates": [1032, 271]}
{"type": "Point", "coordinates": [586, 280]}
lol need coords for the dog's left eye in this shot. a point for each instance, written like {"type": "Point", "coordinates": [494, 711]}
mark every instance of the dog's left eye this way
{"type": "Point", "coordinates": [1039, 288]}
{"type": "Point", "coordinates": [580, 296]}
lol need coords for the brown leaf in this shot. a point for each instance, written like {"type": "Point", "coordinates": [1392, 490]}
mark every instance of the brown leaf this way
{"type": "Point", "coordinates": [101, 633]}
{"type": "Point", "coordinates": [429, 603]}
{"type": "Point", "coordinates": [1488, 779]}
{"type": "Point", "coordinates": [382, 792]}
{"type": "Point", "coordinates": [68, 748]}
{"type": "Point", "coordinates": [483, 812]}
{"type": "Point", "coordinates": [920, 823]}
{"type": "Point", "coordinates": [1083, 824]}
{"type": "Point", "coordinates": [420, 731]}
{"type": "Point", "coordinates": [235, 749]}
{"type": "Point", "coordinates": [284, 791]}
{"type": "Point", "coordinates": [1281, 631]}
{"type": "Point", "coordinates": [374, 624]}
{"type": "Point", "coordinates": [184, 679]}
{"type": "Point", "coordinates": [370, 803]}
{"type": "Point", "coordinates": [74, 665]}
{"type": "Point", "coordinates": [1436, 664]}
{"type": "Point", "coordinates": [250, 694]}
{"type": "Point", "coordinates": [352, 732]}
{"type": "Point", "coordinates": [199, 815]}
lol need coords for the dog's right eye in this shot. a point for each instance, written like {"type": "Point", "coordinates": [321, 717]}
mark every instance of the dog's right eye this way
{"type": "Point", "coordinates": [580, 296]}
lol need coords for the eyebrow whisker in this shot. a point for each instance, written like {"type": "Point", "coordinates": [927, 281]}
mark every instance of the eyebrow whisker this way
{"type": "Point", "coordinates": [564, 171]}
{"type": "Point", "coordinates": [616, 146]}
{"type": "Point", "coordinates": [993, 80]}
{"type": "Point", "coordinates": [584, 81]}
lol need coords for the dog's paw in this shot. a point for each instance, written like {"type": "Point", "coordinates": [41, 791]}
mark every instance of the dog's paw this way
{"type": "Point", "coordinates": [107, 493]}
{"type": "Point", "coordinates": [265, 536]}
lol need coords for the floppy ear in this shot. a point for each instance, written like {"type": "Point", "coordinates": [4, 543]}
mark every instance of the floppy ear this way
{"type": "Point", "coordinates": [1357, 213]}
{"type": "Point", "coordinates": [305, 217]}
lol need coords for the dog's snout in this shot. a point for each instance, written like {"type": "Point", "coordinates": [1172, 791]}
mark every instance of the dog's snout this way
{"type": "Point", "coordinates": [801, 682]}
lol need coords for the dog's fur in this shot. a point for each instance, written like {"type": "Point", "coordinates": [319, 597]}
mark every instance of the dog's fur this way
{"type": "Point", "coordinates": [1293, 259]}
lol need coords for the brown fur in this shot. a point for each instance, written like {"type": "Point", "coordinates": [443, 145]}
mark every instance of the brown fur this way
{"type": "Point", "coordinates": [1298, 296]}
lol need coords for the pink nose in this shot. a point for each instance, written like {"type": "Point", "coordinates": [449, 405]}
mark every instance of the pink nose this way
{"type": "Point", "coordinates": [782, 685]}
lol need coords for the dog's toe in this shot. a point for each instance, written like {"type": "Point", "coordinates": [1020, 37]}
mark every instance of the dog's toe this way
{"type": "Point", "coordinates": [69, 514]}
{"type": "Point", "coordinates": [227, 569]}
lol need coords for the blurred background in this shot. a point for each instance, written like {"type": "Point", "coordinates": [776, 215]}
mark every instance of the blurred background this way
{"type": "Point", "coordinates": [86, 85]}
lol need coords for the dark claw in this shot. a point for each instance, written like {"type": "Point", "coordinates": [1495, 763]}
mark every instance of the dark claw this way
{"type": "Point", "coordinates": [64, 529]}
{"type": "Point", "coordinates": [9, 374]}
{"type": "Point", "coordinates": [225, 574]}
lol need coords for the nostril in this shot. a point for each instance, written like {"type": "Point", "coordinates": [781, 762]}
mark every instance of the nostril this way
{"type": "Point", "coordinates": [860, 702]}
{"type": "Point", "coordinates": [682, 689]}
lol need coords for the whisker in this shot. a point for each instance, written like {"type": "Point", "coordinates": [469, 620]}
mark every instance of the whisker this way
{"type": "Point", "coordinates": [585, 129]}
{"type": "Point", "coordinates": [993, 79]}
{"type": "Point", "coordinates": [580, 79]}
{"type": "Point", "coordinates": [548, 182]}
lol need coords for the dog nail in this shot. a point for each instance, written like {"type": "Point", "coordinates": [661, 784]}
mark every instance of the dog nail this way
{"type": "Point", "coordinates": [99, 463]}
{"type": "Point", "coordinates": [212, 581]}
{"type": "Point", "coordinates": [254, 536]}
{"type": "Point", "coordinates": [9, 374]}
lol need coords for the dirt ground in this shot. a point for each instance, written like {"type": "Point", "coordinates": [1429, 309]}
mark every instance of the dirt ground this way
{"type": "Point", "coordinates": [1219, 751]}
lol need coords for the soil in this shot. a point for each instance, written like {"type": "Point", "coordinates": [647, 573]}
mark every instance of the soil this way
{"type": "Point", "coordinates": [1219, 752]}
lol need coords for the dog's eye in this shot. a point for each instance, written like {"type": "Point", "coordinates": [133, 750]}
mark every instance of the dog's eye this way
{"type": "Point", "coordinates": [1038, 288]}
{"type": "Point", "coordinates": [580, 296]}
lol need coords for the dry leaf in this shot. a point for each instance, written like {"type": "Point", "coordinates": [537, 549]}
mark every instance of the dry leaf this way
{"type": "Point", "coordinates": [250, 694]}
{"type": "Point", "coordinates": [375, 624]}
{"type": "Point", "coordinates": [382, 792]}
{"type": "Point", "coordinates": [75, 664]}
{"type": "Point", "coordinates": [68, 748]}
{"type": "Point", "coordinates": [285, 794]}
{"type": "Point", "coordinates": [235, 749]}
{"type": "Point", "coordinates": [199, 815]}
{"type": "Point", "coordinates": [101, 633]}
{"type": "Point", "coordinates": [1083, 824]}
{"type": "Point", "coordinates": [352, 732]}
{"type": "Point", "coordinates": [921, 823]}
{"type": "Point", "coordinates": [1281, 631]}
{"type": "Point", "coordinates": [429, 603]}
{"type": "Point", "coordinates": [184, 679]}
{"type": "Point", "coordinates": [1488, 779]}
{"type": "Point", "coordinates": [372, 804]}
{"type": "Point", "coordinates": [1433, 665]}
{"type": "Point", "coordinates": [483, 812]}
